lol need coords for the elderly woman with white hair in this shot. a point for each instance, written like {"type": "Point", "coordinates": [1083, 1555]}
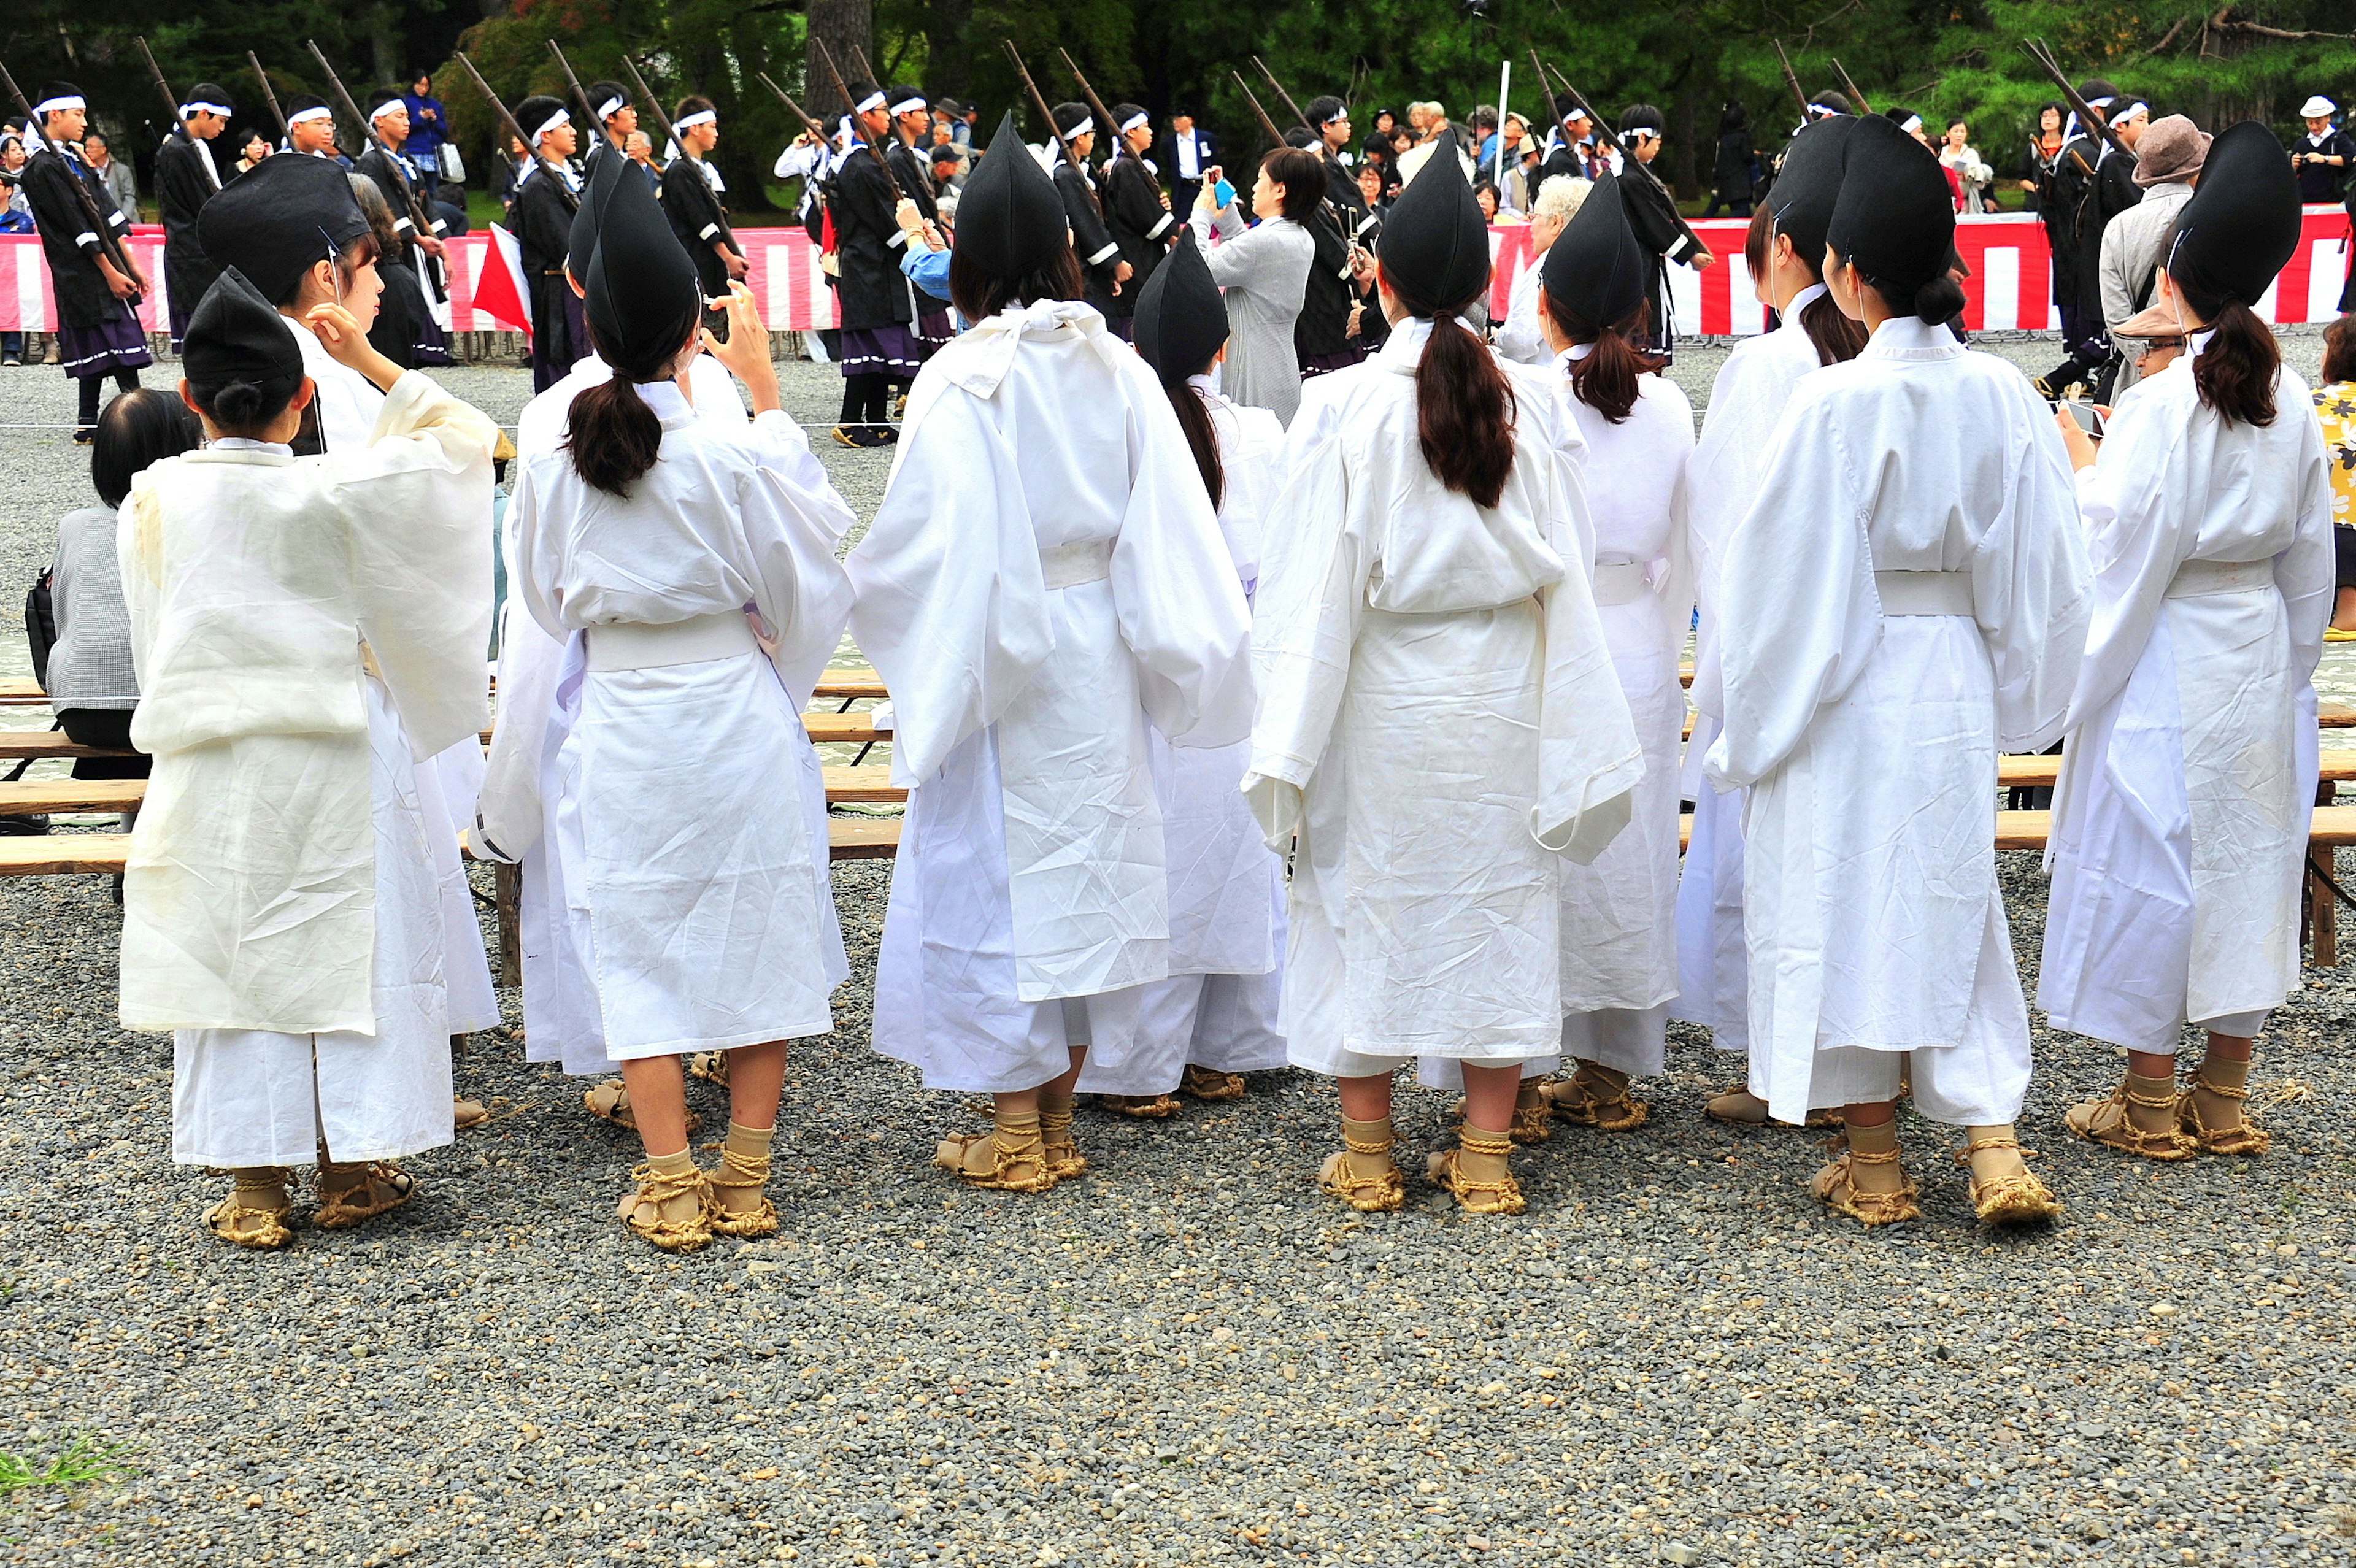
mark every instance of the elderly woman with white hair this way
{"type": "Point", "coordinates": [1522, 339]}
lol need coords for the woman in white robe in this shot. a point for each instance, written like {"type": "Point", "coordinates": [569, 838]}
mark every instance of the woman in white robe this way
{"type": "Point", "coordinates": [1044, 585]}
{"type": "Point", "coordinates": [1906, 597]}
{"type": "Point", "coordinates": [1618, 912]}
{"type": "Point", "coordinates": [298, 624]}
{"type": "Point", "coordinates": [1214, 1018]}
{"type": "Point", "coordinates": [1785, 249]}
{"type": "Point", "coordinates": [2180, 823]}
{"type": "Point", "coordinates": [691, 568]}
{"type": "Point", "coordinates": [1440, 723]}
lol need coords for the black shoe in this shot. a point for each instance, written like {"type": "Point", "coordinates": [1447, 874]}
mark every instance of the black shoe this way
{"type": "Point", "coordinates": [848, 436]}
{"type": "Point", "coordinates": [886, 435]}
{"type": "Point", "coordinates": [84, 435]}
{"type": "Point", "coordinates": [12, 361]}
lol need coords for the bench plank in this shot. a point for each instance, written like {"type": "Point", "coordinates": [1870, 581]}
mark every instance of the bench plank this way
{"type": "Point", "coordinates": [863, 786]}
{"type": "Point", "coordinates": [35, 797]}
{"type": "Point", "coordinates": [63, 854]}
{"type": "Point", "coordinates": [16, 746]}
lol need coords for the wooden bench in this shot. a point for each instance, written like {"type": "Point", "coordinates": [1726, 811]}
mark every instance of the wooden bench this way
{"type": "Point", "coordinates": [42, 798]}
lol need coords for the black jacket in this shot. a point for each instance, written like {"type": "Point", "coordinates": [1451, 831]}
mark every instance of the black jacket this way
{"type": "Point", "coordinates": [542, 222]}
{"type": "Point", "coordinates": [83, 298]}
{"type": "Point", "coordinates": [391, 176]}
{"type": "Point", "coordinates": [1658, 227]}
{"type": "Point", "coordinates": [1092, 240]}
{"type": "Point", "coordinates": [914, 177]}
{"type": "Point", "coordinates": [871, 291]}
{"type": "Point", "coordinates": [1324, 324]}
{"type": "Point", "coordinates": [1139, 224]}
{"type": "Point", "coordinates": [182, 189]}
{"type": "Point", "coordinates": [2326, 182]}
{"type": "Point", "coordinates": [689, 201]}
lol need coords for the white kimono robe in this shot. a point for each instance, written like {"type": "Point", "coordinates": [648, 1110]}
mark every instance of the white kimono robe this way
{"type": "Point", "coordinates": [281, 906]}
{"type": "Point", "coordinates": [1218, 1008]}
{"type": "Point", "coordinates": [689, 812]}
{"type": "Point", "coordinates": [1907, 596]}
{"type": "Point", "coordinates": [1722, 476]}
{"type": "Point", "coordinates": [2181, 824]}
{"type": "Point", "coordinates": [1438, 724]}
{"type": "Point", "coordinates": [560, 1001]}
{"type": "Point", "coordinates": [1619, 912]}
{"type": "Point", "coordinates": [1045, 581]}
{"type": "Point", "coordinates": [348, 407]}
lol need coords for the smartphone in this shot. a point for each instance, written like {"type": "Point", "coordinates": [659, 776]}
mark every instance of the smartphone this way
{"type": "Point", "coordinates": [2089, 417]}
{"type": "Point", "coordinates": [1224, 193]}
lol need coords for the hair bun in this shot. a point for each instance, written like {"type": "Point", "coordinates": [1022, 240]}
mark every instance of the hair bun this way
{"type": "Point", "coordinates": [1940, 300]}
{"type": "Point", "coordinates": [239, 405]}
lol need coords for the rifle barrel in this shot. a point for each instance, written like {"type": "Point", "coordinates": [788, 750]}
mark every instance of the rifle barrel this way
{"type": "Point", "coordinates": [1266, 123]}
{"type": "Point", "coordinates": [1278, 86]}
{"type": "Point", "coordinates": [268, 96]}
{"type": "Point", "coordinates": [531, 147]}
{"type": "Point", "coordinates": [591, 125]}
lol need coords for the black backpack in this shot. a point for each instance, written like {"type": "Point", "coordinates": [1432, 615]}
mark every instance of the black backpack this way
{"type": "Point", "coordinates": [41, 626]}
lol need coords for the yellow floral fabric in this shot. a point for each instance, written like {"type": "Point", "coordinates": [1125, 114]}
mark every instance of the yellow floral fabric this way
{"type": "Point", "coordinates": [2335, 406]}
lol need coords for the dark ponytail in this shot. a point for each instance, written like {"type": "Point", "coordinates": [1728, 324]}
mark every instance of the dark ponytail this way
{"type": "Point", "coordinates": [1838, 335]}
{"type": "Point", "coordinates": [1464, 407]}
{"type": "Point", "coordinates": [2235, 374]}
{"type": "Point", "coordinates": [614, 437]}
{"type": "Point", "coordinates": [1605, 379]}
{"type": "Point", "coordinates": [1195, 419]}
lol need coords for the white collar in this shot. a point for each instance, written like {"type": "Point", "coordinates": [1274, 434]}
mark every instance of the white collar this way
{"type": "Point", "coordinates": [1572, 355]}
{"type": "Point", "coordinates": [1403, 350]}
{"type": "Point", "coordinates": [1910, 337]}
{"type": "Point", "coordinates": [1802, 301]}
{"type": "Point", "coordinates": [979, 358]}
{"type": "Point", "coordinates": [244, 444]}
{"type": "Point", "coordinates": [669, 404]}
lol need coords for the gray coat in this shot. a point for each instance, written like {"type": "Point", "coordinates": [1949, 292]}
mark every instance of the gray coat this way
{"type": "Point", "coordinates": [90, 665]}
{"type": "Point", "coordinates": [2132, 247]}
{"type": "Point", "coordinates": [1263, 273]}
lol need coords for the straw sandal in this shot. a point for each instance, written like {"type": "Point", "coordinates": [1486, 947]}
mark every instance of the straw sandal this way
{"type": "Point", "coordinates": [611, 1103]}
{"type": "Point", "coordinates": [711, 1066]}
{"type": "Point", "coordinates": [1737, 1106]}
{"type": "Point", "coordinates": [642, 1210]}
{"type": "Point", "coordinates": [1589, 1098]}
{"type": "Point", "coordinates": [2108, 1123]}
{"type": "Point", "coordinates": [261, 1226]}
{"type": "Point", "coordinates": [998, 1162]}
{"type": "Point", "coordinates": [1377, 1192]}
{"type": "Point", "coordinates": [1473, 1195]}
{"type": "Point", "coordinates": [1209, 1084]}
{"type": "Point", "coordinates": [1143, 1108]}
{"type": "Point", "coordinates": [2245, 1136]}
{"type": "Point", "coordinates": [1065, 1160]}
{"type": "Point", "coordinates": [2017, 1200]}
{"type": "Point", "coordinates": [352, 1195]}
{"type": "Point", "coordinates": [1835, 1187]}
{"type": "Point", "coordinates": [740, 1173]}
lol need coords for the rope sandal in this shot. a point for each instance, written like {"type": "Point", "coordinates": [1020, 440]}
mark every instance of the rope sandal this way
{"type": "Point", "coordinates": [352, 1195]}
{"type": "Point", "coordinates": [2245, 1136]}
{"type": "Point", "coordinates": [711, 1066]}
{"type": "Point", "coordinates": [1209, 1084]}
{"type": "Point", "coordinates": [611, 1103]}
{"type": "Point", "coordinates": [2107, 1122]}
{"type": "Point", "coordinates": [1501, 1195]}
{"type": "Point", "coordinates": [1144, 1107]}
{"type": "Point", "coordinates": [1065, 1160]}
{"type": "Point", "coordinates": [739, 1173]}
{"type": "Point", "coordinates": [642, 1210]}
{"type": "Point", "coordinates": [998, 1160]}
{"type": "Point", "coordinates": [465, 1114]}
{"type": "Point", "coordinates": [1737, 1106]}
{"type": "Point", "coordinates": [261, 1225]}
{"type": "Point", "coordinates": [1588, 1099]}
{"type": "Point", "coordinates": [1375, 1191]}
{"type": "Point", "coordinates": [2017, 1200]}
{"type": "Point", "coordinates": [1533, 1120]}
{"type": "Point", "coordinates": [1835, 1187]}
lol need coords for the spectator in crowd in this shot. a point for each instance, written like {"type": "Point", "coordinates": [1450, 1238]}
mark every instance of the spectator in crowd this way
{"type": "Point", "coordinates": [92, 684]}
{"type": "Point", "coordinates": [429, 127]}
{"type": "Point", "coordinates": [1374, 186]}
{"type": "Point", "coordinates": [639, 148]}
{"type": "Point", "coordinates": [1485, 196]}
{"type": "Point", "coordinates": [16, 218]}
{"type": "Point", "coordinates": [1971, 171]}
{"type": "Point", "coordinates": [949, 123]}
{"type": "Point", "coordinates": [1434, 133]}
{"type": "Point", "coordinates": [1522, 338]}
{"type": "Point", "coordinates": [1186, 152]}
{"type": "Point", "coordinates": [1484, 135]}
{"type": "Point", "coordinates": [121, 183]}
{"type": "Point", "coordinates": [2322, 157]}
{"type": "Point", "coordinates": [948, 170]}
{"type": "Point", "coordinates": [1736, 173]}
{"type": "Point", "coordinates": [1263, 271]}
{"type": "Point", "coordinates": [2335, 406]}
{"type": "Point", "coordinates": [2041, 178]}
{"type": "Point", "coordinates": [253, 150]}
{"type": "Point", "coordinates": [2167, 163]}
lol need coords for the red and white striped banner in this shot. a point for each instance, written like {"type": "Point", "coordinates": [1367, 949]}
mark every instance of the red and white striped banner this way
{"type": "Point", "coordinates": [2010, 286]}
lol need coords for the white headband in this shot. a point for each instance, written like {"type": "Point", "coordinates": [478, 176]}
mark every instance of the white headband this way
{"type": "Point", "coordinates": [387, 107]}
{"type": "Point", "coordinates": [2131, 111]}
{"type": "Point", "coordinates": [305, 116]}
{"type": "Point", "coordinates": [610, 108]}
{"type": "Point", "coordinates": [1821, 111]}
{"type": "Point", "coordinates": [558, 118]}
{"type": "Point", "coordinates": [1341, 113]}
{"type": "Point", "coordinates": [700, 117]}
{"type": "Point", "coordinates": [1134, 120]}
{"type": "Point", "coordinates": [59, 105]}
{"type": "Point", "coordinates": [1912, 123]}
{"type": "Point", "coordinates": [2100, 103]}
{"type": "Point", "coordinates": [872, 101]}
{"type": "Point", "coordinates": [1083, 126]}
{"type": "Point", "coordinates": [222, 110]}
{"type": "Point", "coordinates": [908, 106]}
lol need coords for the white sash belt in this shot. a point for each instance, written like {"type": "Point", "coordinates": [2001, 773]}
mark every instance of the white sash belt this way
{"type": "Point", "coordinates": [1070, 565]}
{"type": "Point", "coordinates": [1620, 582]}
{"type": "Point", "coordinates": [696, 640]}
{"type": "Point", "coordinates": [2195, 578]}
{"type": "Point", "coordinates": [1924, 592]}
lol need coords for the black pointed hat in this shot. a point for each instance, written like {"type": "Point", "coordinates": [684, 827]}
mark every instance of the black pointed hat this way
{"type": "Point", "coordinates": [1595, 269]}
{"type": "Point", "coordinates": [1009, 219]}
{"type": "Point", "coordinates": [1804, 193]}
{"type": "Point", "coordinates": [1895, 217]}
{"type": "Point", "coordinates": [1182, 317]}
{"type": "Point", "coordinates": [1434, 246]}
{"type": "Point", "coordinates": [276, 220]}
{"type": "Point", "coordinates": [2242, 224]}
{"type": "Point", "coordinates": [641, 288]}
{"type": "Point", "coordinates": [236, 334]}
{"type": "Point", "coordinates": [581, 241]}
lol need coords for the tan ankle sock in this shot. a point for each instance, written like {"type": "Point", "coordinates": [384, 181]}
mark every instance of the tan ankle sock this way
{"type": "Point", "coordinates": [261, 1186]}
{"type": "Point", "coordinates": [750, 1149]}
{"type": "Point", "coordinates": [1988, 1165]}
{"type": "Point", "coordinates": [682, 1164]}
{"type": "Point", "coordinates": [750, 1143]}
{"type": "Point", "coordinates": [1056, 1112]}
{"type": "Point", "coordinates": [2220, 1073]}
{"type": "Point", "coordinates": [1358, 1136]}
{"type": "Point", "coordinates": [2158, 1117]}
{"type": "Point", "coordinates": [1015, 1127]}
{"type": "Point", "coordinates": [1875, 1175]}
{"type": "Point", "coordinates": [1482, 1156]}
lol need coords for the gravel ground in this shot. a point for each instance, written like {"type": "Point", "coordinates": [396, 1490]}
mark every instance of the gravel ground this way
{"type": "Point", "coordinates": [1188, 1358]}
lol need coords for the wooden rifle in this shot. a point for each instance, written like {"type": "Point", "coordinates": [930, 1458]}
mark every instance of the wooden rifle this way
{"type": "Point", "coordinates": [109, 244]}
{"type": "Point", "coordinates": [285, 133]}
{"type": "Point", "coordinates": [532, 148]}
{"type": "Point", "coordinates": [1113, 144]}
{"type": "Point", "coordinates": [421, 221]}
{"type": "Point", "coordinates": [857, 131]}
{"type": "Point", "coordinates": [1629, 160]}
{"type": "Point", "coordinates": [2036, 50]}
{"type": "Point", "coordinates": [1850, 87]}
{"type": "Point", "coordinates": [1791, 80]}
{"type": "Point", "coordinates": [212, 170]}
{"type": "Point", "coordinates": [1047, 113]}
{"type": "Point", "coordinates": [825, 136]}
{"type": "Point", "coordinates": [1266, 123]}
{"type": "Point", "coordinates": [1313, 130]}
{"type": "Point", "coordinates": [589, 121]}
